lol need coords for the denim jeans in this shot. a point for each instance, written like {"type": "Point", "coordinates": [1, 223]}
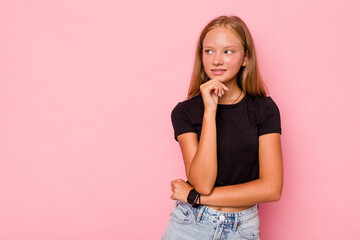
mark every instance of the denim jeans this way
{"type": "Point", "coordinates": [187, 222]}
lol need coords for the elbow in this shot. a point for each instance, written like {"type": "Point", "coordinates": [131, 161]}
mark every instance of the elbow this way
{"type": "Point", "coordinates": [203, 190]}
{"type": "Point", "coordinates": [275, 194]}
{"type": "Point", "coordinates": [276, 197]}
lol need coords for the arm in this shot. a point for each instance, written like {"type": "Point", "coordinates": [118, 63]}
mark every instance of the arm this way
{"type": "Point", "coordinates": [200, 158]}
{"type": "Point", "coordinates": [267, 188]}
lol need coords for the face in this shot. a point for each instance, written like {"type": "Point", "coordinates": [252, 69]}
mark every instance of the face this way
{"type": "Point", "coordinates": [222, 54]}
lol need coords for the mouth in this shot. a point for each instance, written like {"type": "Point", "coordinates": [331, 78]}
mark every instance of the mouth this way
{"type": "Point", "coordinates": [218, 71]}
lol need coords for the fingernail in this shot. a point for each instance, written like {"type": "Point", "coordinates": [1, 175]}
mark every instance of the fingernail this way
{"type": "Point", "coordinates": [222, 92]}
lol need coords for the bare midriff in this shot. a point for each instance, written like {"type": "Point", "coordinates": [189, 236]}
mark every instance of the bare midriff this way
{"type": "Point", "coordinates": [229, 209]}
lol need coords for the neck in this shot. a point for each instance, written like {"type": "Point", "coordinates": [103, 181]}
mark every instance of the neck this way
{"type": "Point", "coordinates": [231, 96]}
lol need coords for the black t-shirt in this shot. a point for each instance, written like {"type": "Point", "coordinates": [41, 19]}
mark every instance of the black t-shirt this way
{"type": "Point", "coordinates": [238, 128]}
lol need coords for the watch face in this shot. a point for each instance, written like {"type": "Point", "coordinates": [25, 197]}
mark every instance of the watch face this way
{"type": "Point", "coordinates": [192, 197]}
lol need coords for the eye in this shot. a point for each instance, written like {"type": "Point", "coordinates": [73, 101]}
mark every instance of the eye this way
{"type": "Point", "coordinates": [208, 51]}
{"type": "Point", "coordinates": [229, 51]}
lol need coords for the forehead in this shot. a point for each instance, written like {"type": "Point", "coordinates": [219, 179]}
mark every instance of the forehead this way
{"type": "Point", "coordinates": [221, 36]}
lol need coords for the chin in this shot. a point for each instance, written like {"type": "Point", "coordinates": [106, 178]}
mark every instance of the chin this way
{"type": "Point", "coordinates": [223, 79]}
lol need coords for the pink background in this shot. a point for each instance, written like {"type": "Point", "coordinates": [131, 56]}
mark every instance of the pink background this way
{"type": "Point", "coordinates": [87, 87]}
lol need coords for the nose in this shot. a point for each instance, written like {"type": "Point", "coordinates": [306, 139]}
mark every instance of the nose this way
{"type": "Point", "coordinates": [217, 59]}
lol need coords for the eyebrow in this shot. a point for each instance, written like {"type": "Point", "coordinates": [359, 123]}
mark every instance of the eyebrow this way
{"type": "Point", "coordinates": [230, 46]}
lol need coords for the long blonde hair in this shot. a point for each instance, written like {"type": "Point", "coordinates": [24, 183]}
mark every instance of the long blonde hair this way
{"type": "Point", "coordinates": [248, 77]}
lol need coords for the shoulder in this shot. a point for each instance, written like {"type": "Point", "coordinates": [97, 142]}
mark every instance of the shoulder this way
{"type": "Point", "coordinates": [186, 115]}
{"type": "Point", "coordinates": [266, 113]}
{"type": "Point", "coordinates": [189, 106]}
{"type": "Point", "coordinates": [263, 104]}
{"type": "Point", "coordinates": [192, 102]}
{"type": "Point", "coordinates": [261, 101]}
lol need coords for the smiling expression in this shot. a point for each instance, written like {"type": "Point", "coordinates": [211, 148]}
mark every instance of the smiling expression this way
{"type": "Point", "coordinates": [222, 54]}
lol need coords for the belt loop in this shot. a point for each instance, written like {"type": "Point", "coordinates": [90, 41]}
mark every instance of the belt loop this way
{"type": "Point", "coordinates": [236, 222]}
{"type": "Point", "coordinates": [200, 212]}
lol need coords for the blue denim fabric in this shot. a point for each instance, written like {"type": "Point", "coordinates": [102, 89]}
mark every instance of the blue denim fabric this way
{"type": "Point", "coordinates": [187, 223]}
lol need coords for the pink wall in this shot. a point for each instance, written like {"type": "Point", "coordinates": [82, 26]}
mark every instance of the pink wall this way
{"type": "Point", "coordinates": [86, 90]}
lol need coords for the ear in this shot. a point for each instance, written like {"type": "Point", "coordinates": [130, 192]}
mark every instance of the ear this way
{"type": "Point", "coordinates": [246, 57]}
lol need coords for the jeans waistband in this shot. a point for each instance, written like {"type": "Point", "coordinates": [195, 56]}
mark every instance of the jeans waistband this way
{"type": "Point", "coordinates": [227, 218]}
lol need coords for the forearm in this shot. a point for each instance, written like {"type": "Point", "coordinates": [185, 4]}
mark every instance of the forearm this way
{"type": "Point", "coordinates": [240, 195]}
{"type": "Point", "coordinates": [203, 168]}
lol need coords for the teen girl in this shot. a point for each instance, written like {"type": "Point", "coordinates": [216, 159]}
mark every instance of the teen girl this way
{"type": "Point", "coordinates": [229, 131]}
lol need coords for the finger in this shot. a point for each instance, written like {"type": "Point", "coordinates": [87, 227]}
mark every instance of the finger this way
{"type": "Point", "coordinates": [220, 89]}
{"type": "Point", "coordinates": [214, 87]}
{"type": "Point", "coordinates": [216, 91]}
{"type": "Point", "coordinates": [225, 88]}
{"type": "Point", "coordinates": [208, 87]}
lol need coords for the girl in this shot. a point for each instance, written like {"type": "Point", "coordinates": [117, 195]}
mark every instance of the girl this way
{"type": "Point", "coordinates": [229, 131]}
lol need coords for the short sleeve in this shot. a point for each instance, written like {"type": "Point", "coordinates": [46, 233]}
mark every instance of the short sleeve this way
{"type": "Point", "coordinates": [270, 121]}
{"type": "Point", "coordinates": [180, 121]}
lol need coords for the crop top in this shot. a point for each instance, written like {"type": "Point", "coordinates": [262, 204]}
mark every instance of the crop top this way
{"type": "Point", "coordinates": [238, 127]}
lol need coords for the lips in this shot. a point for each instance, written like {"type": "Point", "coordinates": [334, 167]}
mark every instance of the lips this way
{"type": "Point", "coordinates": [218, 71]}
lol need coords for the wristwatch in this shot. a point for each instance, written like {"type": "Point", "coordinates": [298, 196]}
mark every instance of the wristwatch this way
{"type": "Point", "coordinates": [193, 197]}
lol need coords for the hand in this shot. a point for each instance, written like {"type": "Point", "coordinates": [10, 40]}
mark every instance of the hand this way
{"type": "Point", "coordinates": [211, 91]}
{"type": "Point", "coordinates": [180, 190]}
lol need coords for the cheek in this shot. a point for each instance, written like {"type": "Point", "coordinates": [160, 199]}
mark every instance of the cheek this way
{"type": "Point", "coordinates": [206, 62]}
{"type": "Point", "coordinates": [234, 61]}
{"type": "Point", "coordinates": [205, 59]}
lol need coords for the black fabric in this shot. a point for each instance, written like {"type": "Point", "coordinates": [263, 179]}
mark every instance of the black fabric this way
{"type": "Point", "coordinates": [238, 129]}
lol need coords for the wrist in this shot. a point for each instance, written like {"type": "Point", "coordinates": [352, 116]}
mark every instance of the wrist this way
{"type": "Point", "coordinates": [194, 198]}
{"type": "Point", "coordinates": [210, 112]}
